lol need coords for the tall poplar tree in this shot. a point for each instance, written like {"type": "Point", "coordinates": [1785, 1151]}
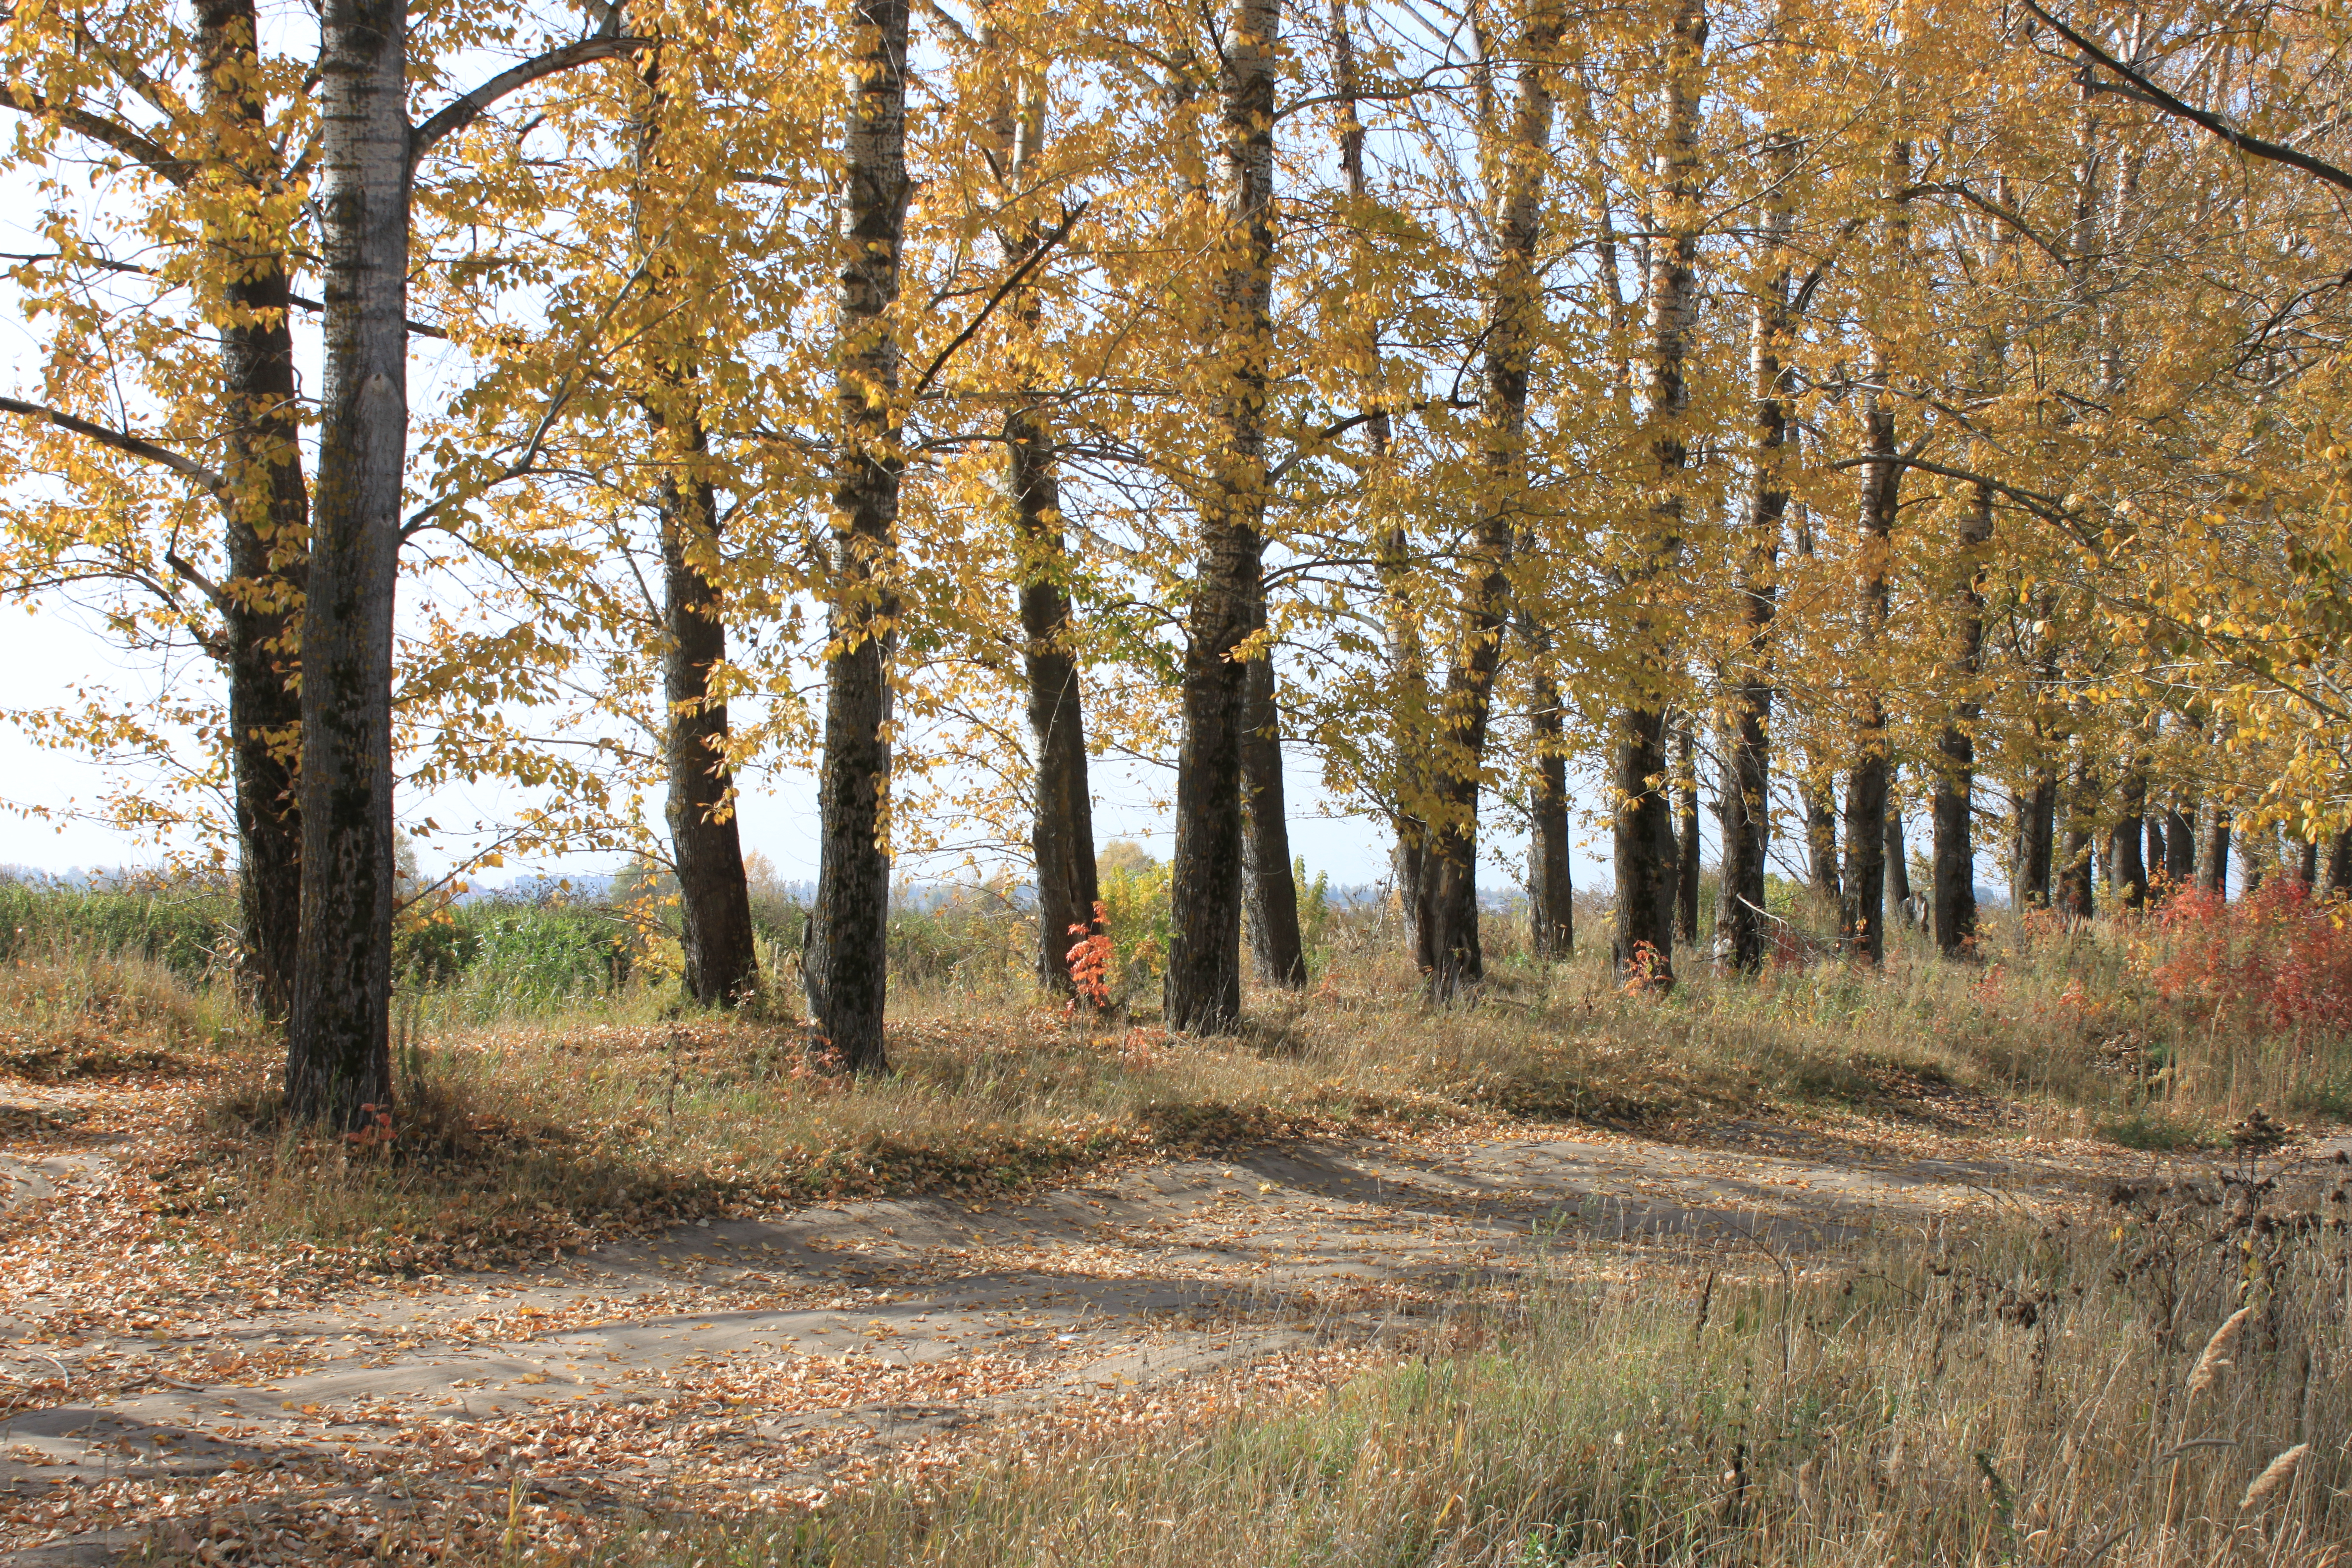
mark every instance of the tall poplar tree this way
{"type": "Point", "coordinates": [1202, 991]}
{"type": "Point", "coordinates": [846, 957]}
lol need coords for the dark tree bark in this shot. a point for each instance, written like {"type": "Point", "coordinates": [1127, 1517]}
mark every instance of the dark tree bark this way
{"type": "Point", "coordinates": [2340, 866]}
{"type": "Point", "coordinates": [1897, 857]}
{"type": "Point", "coordinates": [1819, 802]}
{"type": "Point", "coordinates": [1686, 839]}
{"type": "Point", "coordinates": [1952, 898]}
{"type": "Point", "coordinates": [1204, 987]}
{"type": "Point", "coordinates": [1061, 827]}
{"type": "Point", "coordinates": [1271, 894]}
{"type": "Point", "coordinates": [2306, 862]}
{"type": "Point", "coordinates": [1863, 925]}
{"type": "Point", "coordinates": [1746, 812]}
{"type": "Point", "coordinates": [267, 510]}
{"type": "Point", "coordinates": [2214, 850]}
{"type": "Point", "coordinates": [1551, 893]}
{"type": "Point", "coordinates": [2127, 861]}
{"type": "Point", "coordinates": [338, 1056]}
{"type": "Point", "coordinates": [338, 1053]}
{"type": "Point", "coordinates": [1643, 943]}
{"type": "Point", "coordinates": [2037, 839]}
{"type": "Point", "coordinates": [722, 962]}
{"type": "Point", "coordinates": [2179, 848]}
{"type": "Point", "coordinates": [1408, 662]}
{"type": "Point", "coordinates": [1451, 870]}
{"type": "Point", "coordinates": [845, 960]}
{"type": "Point", "coordinates": [1061, 823]}
{"type": "Point", "coordinates": [2078, 847]}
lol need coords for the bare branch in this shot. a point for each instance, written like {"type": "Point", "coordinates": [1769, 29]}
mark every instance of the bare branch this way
{"type": "Point", "coordinates": [463, 112]}
{"type": "Point", "coordinates": [2243, 141]}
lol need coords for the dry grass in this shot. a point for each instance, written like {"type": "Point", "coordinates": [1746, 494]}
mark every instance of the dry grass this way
{"type": "Point", "coordinates": [2026, 1397]}
{"type": "Point", "coordinates": [542, 1128]}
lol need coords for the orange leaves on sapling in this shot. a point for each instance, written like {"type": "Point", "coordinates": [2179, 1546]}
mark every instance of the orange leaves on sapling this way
{"type": "Point", "coordinates": [1090, 960]}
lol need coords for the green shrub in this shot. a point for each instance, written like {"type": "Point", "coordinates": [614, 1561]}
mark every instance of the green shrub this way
{"type": "Point", "coordinates": [1137, 910]}
{"type": "Point", "coordinates": [187, 924]}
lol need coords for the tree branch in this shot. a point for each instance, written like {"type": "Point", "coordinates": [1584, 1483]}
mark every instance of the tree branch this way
{"type": "Point", "coordinates": [97, 128]}
{"type": "Point", "coordinates": [2243, 141]}
{"type": "Point", "coordinates": [1339, 427]}
{"type": "Point", "coordinates": [122, 441]}
{"type": "Point", "coordinates": [1992, 209]}
{"type": "Point", "coordinates": [463, 112]}
{"type": "Point", "coordinates": [1012, 280]}
{"type": "Point", "coordinates": [415, 329]}
{"type": "Point", "coordinates": [187, 572]}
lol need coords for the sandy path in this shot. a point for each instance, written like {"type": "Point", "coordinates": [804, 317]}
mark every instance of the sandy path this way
{"type": "Point", "coordinates": [762, 1360]}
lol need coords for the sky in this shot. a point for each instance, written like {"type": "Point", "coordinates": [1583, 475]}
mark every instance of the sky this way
{"type": "Point", "coordinates": [45, 657]}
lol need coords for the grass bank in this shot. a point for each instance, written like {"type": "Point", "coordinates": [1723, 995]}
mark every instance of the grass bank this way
{"type": "Point", "coordinates": [547, 1094]}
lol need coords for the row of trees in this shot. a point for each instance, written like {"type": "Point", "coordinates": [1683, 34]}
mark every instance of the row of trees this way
{"type": "Point", "coordinates": [1790, 397]}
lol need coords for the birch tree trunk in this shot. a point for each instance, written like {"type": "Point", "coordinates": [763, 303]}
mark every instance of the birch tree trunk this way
{"type": "Point", "coordinates": [1643, 943]}
{"type": "Point", "coordinates": [721, 964]}
{"type": "Point", "coordinates": [2338, 882]}
{"type": "Point", "coordinates": [1061, 827]}
{"type": "Point", "coordinates": [1897, 855]}
{"type": "Point", "coordinates": [845, 959]}
{"type": "Point", "coordinates": [2180, 847]}
{"type": "Point", "coordinates": [267, 510]}
{"type": "Point", "coordinates": [2078, 847]}
{"type": "Point", "coordinates": [1862, 926]}
{"type": "Point", "coordinates": [2127, 859]}
{"type": "Point", "coordinates": [1551, 889]}
{"type": "Point", "coordinates": [1819, 802]}
{"type": "Point", "coordinates": [1408, 661]}
{"type": "Point", "coordinates": [338, 1054]}
{"type": "Point", "coordinates": [1686, 839]}
{"type": "Point", "coordinates": [1202, 992]}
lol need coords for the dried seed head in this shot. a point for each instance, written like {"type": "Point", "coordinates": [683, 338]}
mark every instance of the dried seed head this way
{"type": "Point", "coordinates": [2209, 1364]}
{"type": "Point", "coordinates": [2280, 1472]}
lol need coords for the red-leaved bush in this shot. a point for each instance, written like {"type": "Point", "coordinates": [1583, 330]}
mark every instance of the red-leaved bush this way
{"type": "Point", "coordinates": [2276, 957]}
{"type": "Point", "coordinates": [1089, 959]}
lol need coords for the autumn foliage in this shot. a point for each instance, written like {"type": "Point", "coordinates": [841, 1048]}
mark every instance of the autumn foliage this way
{"type": "Point", "coordinates": [2277, 959]}
{"type": "Point", "coordinates": [1090, 960]}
